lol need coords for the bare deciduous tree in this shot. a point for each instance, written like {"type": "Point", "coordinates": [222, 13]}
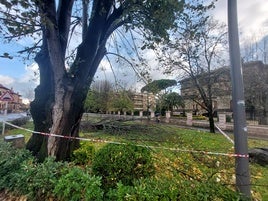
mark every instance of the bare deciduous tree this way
{"type": "Point", "coordinates": [196, 50]}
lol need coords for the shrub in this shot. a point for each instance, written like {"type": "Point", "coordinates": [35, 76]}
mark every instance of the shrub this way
{"type": "Point", "coordinates": [84, 154]}
{"type": "Point", "coordinates": [200, 117]}
{"type": "Point", "coordinates": [179, 116]}
{"type": "Point", "coordinates": [11, 160]}
{"type": "Point", "coordinates": [209, 190]}
{"type": "Point", "coordinates": [22, 175]}
{"type": "Point", "coordinates": [172, 190]}
{"type": "Point", "coordinates": [149, 189]}
{"type": "Point", "coordinates": [123, 163]}
{"type": "Point", "coordinates": [228, 118]}
{"type": "Point", "coordinates": [18, 122]}
{"type": "Point", "coordinates": [37, 180]}
{"type": "Point", "coordinates": [78, 185]}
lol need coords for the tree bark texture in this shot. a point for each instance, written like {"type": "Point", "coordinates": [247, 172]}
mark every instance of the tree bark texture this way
{"type": "Point", "coordinates": [211, 122]}
{"type": "Point", "coordinates": [42, 105]}
{"type": "Point", "coordinates": [59, 99]}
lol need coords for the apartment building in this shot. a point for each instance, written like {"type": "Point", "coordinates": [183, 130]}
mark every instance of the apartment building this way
{"type": "Point", "coordinates": [255, 76]}
{"type": "Point", "coordinates": [144, 101]}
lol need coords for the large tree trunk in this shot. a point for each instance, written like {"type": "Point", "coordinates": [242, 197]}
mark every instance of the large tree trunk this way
{"type": "Point", "coordinates": [210, 115]}
{"type": "Point", "coordinates": [60, 115]}
{"type": "Point", "coordinates": [41, 106]}
{"type": "Point", "coordinates": [68, 108]}
{"type": "Point", "coordinates": [66, 121]}
{"type": "Point", "coordinates": [59, 100]}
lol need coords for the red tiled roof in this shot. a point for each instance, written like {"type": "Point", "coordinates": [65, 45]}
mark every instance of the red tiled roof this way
{"type": "Point", "coordinates": [10, 90]}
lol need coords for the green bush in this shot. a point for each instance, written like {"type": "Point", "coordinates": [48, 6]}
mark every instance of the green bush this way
{"type": "Point", "coordinates": [83, 155]}
{"type": "Point", "coordinates": [125, 171]}
{"type": "Point", "coordinates": [11, 160]}
{"type": "Point", "coordinates": [149, 189]}
{"type": "Point", "coordinates": [22, 175]}
{"type": "Point", "coordinates": [123, 163]}
{"type": "Point", "coordinates": [179, 116]}
{"type": "Point", "coordinates": [206, 191]}
{"type": "Point", "coordinates": [172, 190]}
{"type": "Point", "coordinates": [78, 185]}
{"type": "Point", "coordinates": [228, 118]}
{"type": "Point", "coordinates": [200, 117]}
{"type": "Point", "coordinates": [18, 122]}
{"type": "Point", "coordinates": [37, 180]}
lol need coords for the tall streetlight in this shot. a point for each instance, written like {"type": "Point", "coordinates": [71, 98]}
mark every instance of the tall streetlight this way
{"type": "Point", "coordinates": [240, 128]}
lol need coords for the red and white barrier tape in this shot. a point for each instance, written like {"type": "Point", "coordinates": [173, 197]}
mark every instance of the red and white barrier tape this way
{"type": "Point", "coordinates": [224, 134]}
{"type": "Point", "coordinates": [147, 146]}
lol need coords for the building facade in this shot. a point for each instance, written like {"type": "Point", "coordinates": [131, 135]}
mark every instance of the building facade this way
{"type": "Point", "coordinates": [255, 76]}
{"type": "Point", "coordinates": [144, 102]}
{"type": "Point", "coordinates": [13, 106]}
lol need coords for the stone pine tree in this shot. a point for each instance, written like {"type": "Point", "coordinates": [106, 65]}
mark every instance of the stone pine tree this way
{"type": "Point", "coordinates": [159, 88]}
{"type": "Point", "coordinates": [58, 104]}
{"type": "Point", "coordinates": [158, 85]}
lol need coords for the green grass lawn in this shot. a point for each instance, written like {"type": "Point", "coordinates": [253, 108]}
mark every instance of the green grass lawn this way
{"type": "Point", "coordinates": [188, 165]}
{"type": "Point", "coordinates": [182, 164]}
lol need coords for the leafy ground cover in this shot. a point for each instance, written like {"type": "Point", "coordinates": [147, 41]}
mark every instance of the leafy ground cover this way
{"type": "Point", "coordinates": [192, 166]}
{"type": "Point", "coordinates": [182, 168]}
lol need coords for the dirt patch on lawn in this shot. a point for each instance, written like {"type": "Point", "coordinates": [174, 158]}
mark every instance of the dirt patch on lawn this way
{"type": "Point", "coordinates": [5, 196]}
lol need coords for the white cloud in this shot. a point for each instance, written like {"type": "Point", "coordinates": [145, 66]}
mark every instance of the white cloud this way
{"type": "Point", "coordinates": [6, 80]}
{"type": "Point", "coordinates": [25, 84]}
{"type": "Point", "coordinates": [119, 73]}
{"type": "Point", "coordinates": [124, 74]}
{"type": "Point", "coordinates": [252, 15]}
{"type": "Point", "coordinates": [31, 74]}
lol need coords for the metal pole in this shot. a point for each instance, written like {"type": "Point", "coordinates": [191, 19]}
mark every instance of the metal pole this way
{"type": "Point", "coordinates": [240, 128]}
{"type": "Point", "coordinates": [5, 114]}
{"type": "Point", "coordinates": [3, 128]}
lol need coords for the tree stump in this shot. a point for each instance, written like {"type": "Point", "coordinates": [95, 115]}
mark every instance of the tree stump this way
{"type": "Point", "coordinates": [259, 156]}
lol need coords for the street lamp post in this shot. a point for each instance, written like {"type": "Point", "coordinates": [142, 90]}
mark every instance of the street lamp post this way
{"type": "Point", "coordinates": [240, 128]}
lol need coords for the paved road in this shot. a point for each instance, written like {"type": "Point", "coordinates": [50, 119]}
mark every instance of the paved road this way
{"type": "Point", "coordinates": [11, 116]}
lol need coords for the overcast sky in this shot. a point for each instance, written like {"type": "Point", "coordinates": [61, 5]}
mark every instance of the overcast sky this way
{"type": "Point", "coordinates": [252, 16]}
